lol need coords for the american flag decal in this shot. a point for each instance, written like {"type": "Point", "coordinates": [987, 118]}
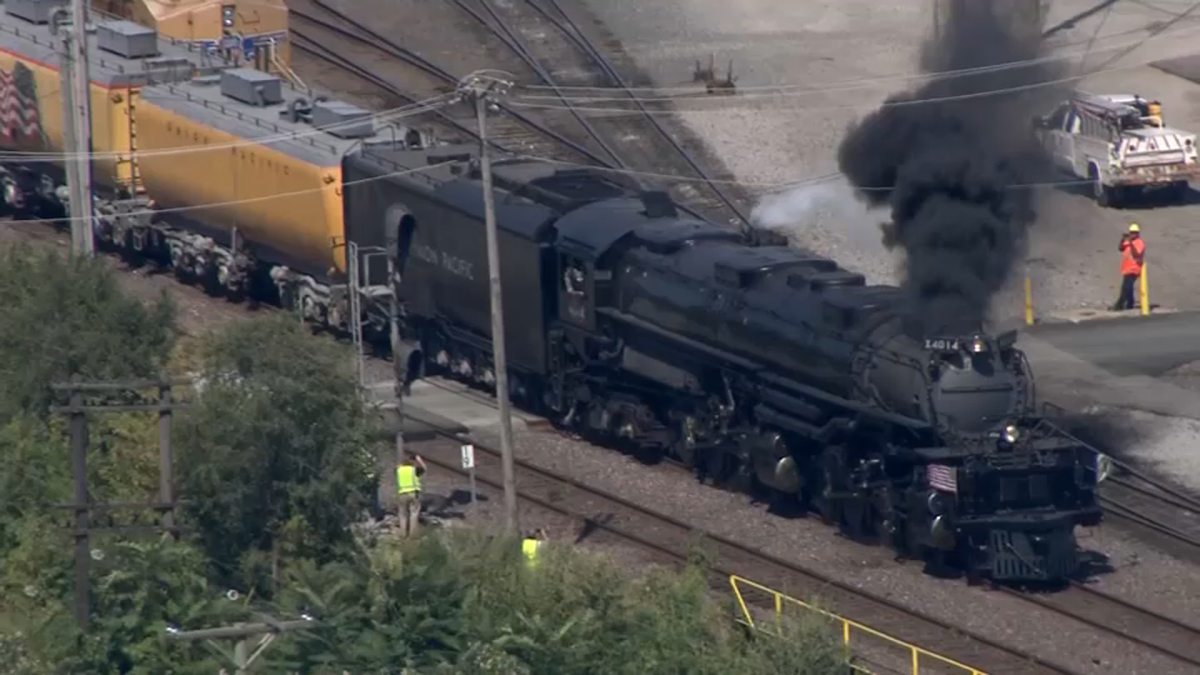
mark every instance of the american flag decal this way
{"type": "Point", "coordinates": [941, 477]}
{"type": "Point", "coordinates": [19, 117]}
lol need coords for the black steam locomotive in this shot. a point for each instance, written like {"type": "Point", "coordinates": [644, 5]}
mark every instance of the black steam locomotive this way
{"type": "Point", "coordinates": [764, 367]}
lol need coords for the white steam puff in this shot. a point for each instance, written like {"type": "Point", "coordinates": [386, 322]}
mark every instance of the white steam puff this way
{"type": "Point", "coordinates": [835, 205]}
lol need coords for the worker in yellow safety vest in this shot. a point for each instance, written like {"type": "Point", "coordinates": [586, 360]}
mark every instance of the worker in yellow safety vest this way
{"type": "Point", "coordinates": [408, 493]}
{"type": "Point", "coordinates": [532, 545]}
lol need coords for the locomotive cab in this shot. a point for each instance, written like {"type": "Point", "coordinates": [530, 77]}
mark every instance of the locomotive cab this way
{"type": "Point", "coordinates": [577, 284]}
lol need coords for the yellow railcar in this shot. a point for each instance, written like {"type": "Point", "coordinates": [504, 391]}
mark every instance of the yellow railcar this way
{"type": "Point", "coordinates": [228, 173]}
{"type": "Point", "coordinates": [284, 199]}
{"type": "Point", "coordinates": [264, 23]}
{"type": "Point", "coordinates": [31, 112]}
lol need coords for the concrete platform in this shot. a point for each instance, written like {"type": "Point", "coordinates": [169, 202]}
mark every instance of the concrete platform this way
{"type": "Point", "coordinates": [1089, 314]}
{"type": "Point", "coordinates": [1186, 67]}
{"type": "Point", "coordinates": [444, 404]}
{"type": "Point", "coordinates": [1127, 345]}
{"type": "Point", "coordinates": [419, 424]}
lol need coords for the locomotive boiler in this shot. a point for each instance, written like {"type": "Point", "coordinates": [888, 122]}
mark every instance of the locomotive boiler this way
{"type": "Point", "coordinates": [762, 367]}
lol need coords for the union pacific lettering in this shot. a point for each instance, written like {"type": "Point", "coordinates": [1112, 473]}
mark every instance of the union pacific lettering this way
{"type": "Point", "coordinates": [452, 264]}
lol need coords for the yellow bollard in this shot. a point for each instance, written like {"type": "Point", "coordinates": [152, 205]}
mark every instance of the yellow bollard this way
{"type": "Point", "coordinates": [1144, 291]}
{"type": "Point", "coordinates": [1028, 301]}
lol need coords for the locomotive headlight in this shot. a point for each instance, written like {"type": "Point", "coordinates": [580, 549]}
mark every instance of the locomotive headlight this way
{"type": "Point", "coordinates": [227, 15]}
{"type": "Point", "coordinates": [1011, 433]}
{"type": "Point", "coordinates": [978, 346]}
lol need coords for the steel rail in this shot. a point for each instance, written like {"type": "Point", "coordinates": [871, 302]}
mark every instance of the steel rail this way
{"type": "Point", "coordinates": [510, 38]}
{"type": "Point", "coordinates": [392, 49]}
{"type": "Point", "coordinates": [986, 649]}
{"type": "Point", "coordinates": [571, 29]}
{"type": "Point", "coordinates": [506, 35]}
{"type": "Point", "coordinates": [1122, 619]}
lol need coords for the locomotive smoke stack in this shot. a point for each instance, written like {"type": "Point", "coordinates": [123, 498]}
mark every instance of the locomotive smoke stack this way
{"type": "Point", "coordinates": [953, 167]}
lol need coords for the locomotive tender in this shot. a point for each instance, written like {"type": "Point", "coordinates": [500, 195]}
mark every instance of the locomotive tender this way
{"type": "Point", "coordinates": [762, 367]}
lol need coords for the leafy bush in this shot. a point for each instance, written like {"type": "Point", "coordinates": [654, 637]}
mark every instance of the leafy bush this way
{"type": "Point", "coordinates": [138, 590]}
{"type": "Point", "coordinates": [462, 603]}
{"type": "Point", "coordinates": [275, 454]}
{"type": "Point", "coordinates": [62, 318]}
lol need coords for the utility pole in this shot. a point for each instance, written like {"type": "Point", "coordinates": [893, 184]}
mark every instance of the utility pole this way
{"type": "Point", "coordinates": [77, 409]}
{"type": "Point", "coordinates": [483, 88]}
{"type": "Point", "coordinates": [394, 282]}
{"type": "Point", "coordinates": [242, 657]}
{"type": "Point", "coordinates": [81, 94]}
{"type": "Point", "coordinates": [60, 27]}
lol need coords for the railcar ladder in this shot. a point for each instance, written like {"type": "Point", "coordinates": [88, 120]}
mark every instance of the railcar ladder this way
{"type": "Point", "coordinates": [135, 171]}
{"type": "Point", "coordinates": [358, 268]}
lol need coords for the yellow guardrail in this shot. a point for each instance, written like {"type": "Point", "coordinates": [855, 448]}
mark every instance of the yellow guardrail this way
{"type": "Point", "coordinates": [918, 655]}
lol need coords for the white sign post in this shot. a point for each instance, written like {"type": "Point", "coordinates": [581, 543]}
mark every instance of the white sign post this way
{"type": "Point", "coordinates": [468, 463]}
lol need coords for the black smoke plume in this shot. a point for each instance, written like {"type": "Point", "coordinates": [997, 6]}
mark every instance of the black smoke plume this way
{"type": "Point", "coordinates": [952, 165]}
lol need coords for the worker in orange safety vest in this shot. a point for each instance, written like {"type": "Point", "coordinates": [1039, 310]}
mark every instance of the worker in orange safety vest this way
{"type": "Point", "coordinates": [408, 493]}
{"type": "Point", "coordinates": [1133, 256]}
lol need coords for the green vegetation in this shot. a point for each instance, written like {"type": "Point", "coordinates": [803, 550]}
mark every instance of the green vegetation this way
{"type": "Point", "coordinates": [275, 460]}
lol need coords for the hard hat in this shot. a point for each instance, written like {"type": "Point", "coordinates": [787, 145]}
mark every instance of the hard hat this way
{"type": "Point", "coordinates": [1133, 227]}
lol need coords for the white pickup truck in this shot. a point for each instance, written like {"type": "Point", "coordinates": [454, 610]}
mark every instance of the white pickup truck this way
{"type": "Point", "coordinates": [1121, 145]}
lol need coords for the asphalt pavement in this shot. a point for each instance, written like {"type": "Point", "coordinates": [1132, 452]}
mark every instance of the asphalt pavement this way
{"type": "Point", "coordinates": [1135, 345]}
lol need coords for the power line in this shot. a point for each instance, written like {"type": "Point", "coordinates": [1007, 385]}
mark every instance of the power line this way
{"type": "Point", "coordinates": [780, 185]}
{"type": "Point", "coordinates": [402, 112]}
{"type": "Point", "coordinates": [767, 185]}
{"type": "Point", "coordinates": [720, 107]}
{"type": "Point", "coordinates": [886, 104]}
{"type": "Point", "coordinates": [251, 200]}
{"type": "Point", "coordinates": [849, 85]}
{"type": "Point", "coordinates": [1155, 33]}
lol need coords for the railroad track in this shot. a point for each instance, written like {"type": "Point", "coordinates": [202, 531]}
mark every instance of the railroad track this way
{"type": "Point", "coordinates": [1158, 510]}
{"type": "Point", "coordinates": [511, 133]}
{"type": "Point", "coordinates": [643, 136]}
{"type": "Point", "coordinates": [674, 541]}
{"type": "Point", "coordinates": [530, 136]}
{"type": "Point", "coordinates": [1142, 628]}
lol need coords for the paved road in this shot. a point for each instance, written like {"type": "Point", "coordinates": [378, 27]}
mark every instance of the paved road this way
{"type": "Point", "coordinates": [1129, 346]}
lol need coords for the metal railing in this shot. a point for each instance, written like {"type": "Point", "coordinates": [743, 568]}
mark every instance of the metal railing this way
{"type": "Point", "coordinates": [917, 655]}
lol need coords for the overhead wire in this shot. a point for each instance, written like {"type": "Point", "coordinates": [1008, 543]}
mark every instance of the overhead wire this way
{"type": "Point", "coordinates": [389, 115]}
{"type": "Point", "coordinates": [886, 104]}
{"type": "Point", "coordinates": [863, 83]}
{"type": "Point", "coordinates": [251, 200]}
{"type": "Point", "coordinates": [778, 186]}
{"type": "Point", "coordinates": [428, 104]}
{"type": "Point", "coordinates": [423, 106]}
{"type": "Point", "coordinates": [1159, 32]}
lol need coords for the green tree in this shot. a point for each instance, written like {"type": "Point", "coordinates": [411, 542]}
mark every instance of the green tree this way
{"type": "Point", "coordinates": [62, 318]}
{"type": "Point", "coordinates": [138, 590]}
{"type": "Point", "coordinates": [276, 456]}
{"type": "Point", "coordinates": [465, 604]}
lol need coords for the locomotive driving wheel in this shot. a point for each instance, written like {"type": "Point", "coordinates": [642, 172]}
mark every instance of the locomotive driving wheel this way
{"type": "Point", "coordinates": [831, 473]}
{"type": "Point", "coordinates": [889, 523]}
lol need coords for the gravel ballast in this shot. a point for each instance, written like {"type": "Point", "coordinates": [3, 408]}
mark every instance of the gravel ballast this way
{"type": "Point", "coordinates": [810, 543]}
